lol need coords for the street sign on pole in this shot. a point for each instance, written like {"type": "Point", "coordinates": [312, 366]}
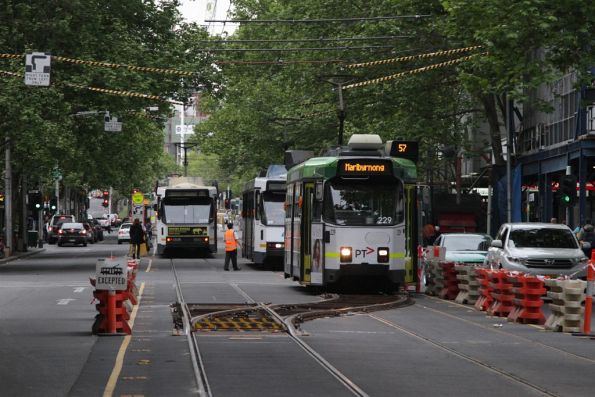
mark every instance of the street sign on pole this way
{"type": "Point", "coordinates": [37, 69]}
{"type": "Point", "coordinates": [112, 124]}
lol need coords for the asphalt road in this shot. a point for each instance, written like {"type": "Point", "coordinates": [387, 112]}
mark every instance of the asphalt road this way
{"type": "Point", "coordinates": [432, 347]}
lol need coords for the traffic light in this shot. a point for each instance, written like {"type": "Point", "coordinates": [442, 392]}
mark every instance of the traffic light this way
{"type": "Point", "coordinates": [567, 190]}
{"type": "Point", "coordinates": [227, 206]}
{"type": "Point", "coordinates": [35, 200]}
{"type": "Point", "coordinates": [53, 204]}
{"type": "Point", "coordinates": [105, 198]}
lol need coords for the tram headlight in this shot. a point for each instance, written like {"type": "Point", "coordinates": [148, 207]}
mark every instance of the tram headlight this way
{"type": "Point", "coordinates": [346, 254]}
{"type": "Point", "coordinates": [383, 255]}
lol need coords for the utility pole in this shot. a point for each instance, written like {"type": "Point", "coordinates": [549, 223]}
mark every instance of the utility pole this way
{"type": "Point", "coordinates": [508, 161]}
{"type": "Point", "coordinates": [8, 199]}
{"type": "Point", "coordinates": [339, 81]}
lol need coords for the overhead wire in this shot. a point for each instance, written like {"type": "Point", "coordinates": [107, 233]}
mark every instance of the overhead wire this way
{"type": "Point", "coordinates": [320, 20]}
{"type": "Point", "coordinates": [322, 39]}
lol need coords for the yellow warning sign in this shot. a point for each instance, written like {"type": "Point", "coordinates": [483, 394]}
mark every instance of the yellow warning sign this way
{"type": "Point", "coordinates": [137, 198]}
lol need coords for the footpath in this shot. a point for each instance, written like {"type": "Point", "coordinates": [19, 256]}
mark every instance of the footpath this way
{"type": "Point", "coordinates": [21, 254]}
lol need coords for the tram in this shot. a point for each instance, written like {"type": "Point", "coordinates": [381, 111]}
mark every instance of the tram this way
{"type": "Point", "coordinates": [263, 216]}
{"type": "Point", "coordinates": [186, 217]}
{"type": "Point", "coordinates": [350, 214]}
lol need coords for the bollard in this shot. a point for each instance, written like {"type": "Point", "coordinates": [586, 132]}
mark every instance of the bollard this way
{"type": "Point", "coordinates": [111, 312]}
{"type": "Point", "coordinates": [420, 286]}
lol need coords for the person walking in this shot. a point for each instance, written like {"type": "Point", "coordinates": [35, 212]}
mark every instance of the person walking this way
{"type": "Point", "coordinates": [137, 236]}
{"type": "Point", "coordinates": [231, 248]}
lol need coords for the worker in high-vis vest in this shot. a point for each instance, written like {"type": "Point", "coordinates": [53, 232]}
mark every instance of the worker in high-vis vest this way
{"type": "Point", "coordinates": [231, 248]}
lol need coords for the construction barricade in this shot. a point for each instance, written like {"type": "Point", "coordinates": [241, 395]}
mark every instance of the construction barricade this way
{"type": "Point", "coordinates": [567, 305]}
{"type": "Point", "coordinates": [448, 281]}
{"type": "Point", "coordinates": [434, 256]}
{"type": "Point", "coordinates": [467, 284]}
{"type": "Point", "coordinates": [528, 291]}
{"type": "Point", "coordinates": [485, 299]}
{"type": "Point", "coordinates": [501, 291]}
{"type": "Point", "coordinates": [116, 293]}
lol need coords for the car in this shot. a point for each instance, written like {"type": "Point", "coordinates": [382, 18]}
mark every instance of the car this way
{"type": "Point", "coordinates": [91, 237]}
{"type": "Point", "coordinates": [104, 222]}
{"type": "Point", "coordinates": [54, 226]}
{"type": "Point", "coordinates": [469, 248]}
{"type": "Point", "coordinates": [72, 233]}
{"type": "Point", "coordinates": [124, 233]}
{"type": "Point", "coordinates": [537, 248]}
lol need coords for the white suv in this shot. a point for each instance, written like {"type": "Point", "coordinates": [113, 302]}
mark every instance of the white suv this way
{"type": "Point", "coordinates": [537, 248]}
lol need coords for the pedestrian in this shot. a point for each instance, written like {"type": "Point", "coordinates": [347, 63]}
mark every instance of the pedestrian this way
{"type": "Point", "coordinates": [581, 231]}
{"type": "Point", "coordinates": [554, 220]}
{"type": "Point", "coordinates": [428, 234]}
{"type": "Point", "coordinates": [587, 236]}
{"type": "Point", "coordinates": [137, 237]}
{"type": "Point", "coordinates": [231, 248]}
{"type": "Point", "coordinates": [149, 233]}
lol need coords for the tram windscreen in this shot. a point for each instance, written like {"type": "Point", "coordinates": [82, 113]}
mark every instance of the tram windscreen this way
{"type": "Point", "coordinates": [273, 211]}
{"type": "Point", "coordinates": [364, 203]}
{"type": "Point", "coordinates": [187, 210]}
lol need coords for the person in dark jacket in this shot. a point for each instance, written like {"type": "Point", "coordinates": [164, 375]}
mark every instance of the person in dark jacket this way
{"type": "Point", "coordinates": [587, 235]}
{"type": "Point", "coordinates": [137, 237]}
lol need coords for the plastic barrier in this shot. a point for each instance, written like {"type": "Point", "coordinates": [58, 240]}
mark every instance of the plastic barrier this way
{"type": "Point", "coordinates": [450, 284]}
{"type": "Point", "coordinates": [501, 291]}
{"type": "Point", "coordinates": [567, 310]}
{"type": "Point", "coordinates": [486, 299]}
{"type": "Point", "coordinates": [528, 291]}
{"type": "Point", "coordinates": [589, 295]}
{"type": "Point", "coordinates": [113, 315]}
{"type": "Point", "coordinates": [468, 284]}
{"type": "Point", "coordinates": [434, 279]}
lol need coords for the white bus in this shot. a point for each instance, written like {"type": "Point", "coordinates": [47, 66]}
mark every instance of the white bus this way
{"type": "Point", "coordinates": [263, 216]}
{"type": "Point", "coordinates": [186, 216]}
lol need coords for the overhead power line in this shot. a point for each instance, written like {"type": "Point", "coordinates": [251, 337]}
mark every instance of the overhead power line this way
{"type": "Point", "coordinates": [296, 49]}
{"type": "Point", "coordinates": [321, 39]}
{"type": "Point", "coordinates": [322, 20]}
{"type": "Point", "coordinates": [279, 62]}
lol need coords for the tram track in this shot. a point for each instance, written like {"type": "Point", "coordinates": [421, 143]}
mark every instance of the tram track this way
{"type": "Point", "coordinates": [278, 318]}
{"type": "Point", "coordinates": [476, 361]}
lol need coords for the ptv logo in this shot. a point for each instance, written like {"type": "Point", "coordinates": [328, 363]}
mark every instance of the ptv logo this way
{"type": "Point", "coordinates": [364, 252]}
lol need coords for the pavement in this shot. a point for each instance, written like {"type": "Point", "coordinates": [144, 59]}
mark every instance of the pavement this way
{"type": "Point", "coordinates": [21, 254]}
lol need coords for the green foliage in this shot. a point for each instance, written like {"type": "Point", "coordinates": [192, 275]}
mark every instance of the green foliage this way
{"type": "Point", "coordinates": [43, 124]}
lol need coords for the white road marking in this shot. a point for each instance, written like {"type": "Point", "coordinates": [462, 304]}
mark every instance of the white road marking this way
{"type": "Point", "coordinates": [78, 290]}
{"type": "Point", "coordinates": [65, 301]}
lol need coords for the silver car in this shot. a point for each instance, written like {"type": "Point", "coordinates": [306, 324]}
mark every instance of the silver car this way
{"type": "Point", "coordinates": [537, 248]}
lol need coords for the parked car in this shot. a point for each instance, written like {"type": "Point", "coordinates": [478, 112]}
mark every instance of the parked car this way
{"type": "Point", "coordinates": [91, 237]}
{"type": "Point", "coordinates": [72, 233]}
{"type": "Point", "coordinates": [124, 233]}
{"type": "Point", "coordinates": [464, 247]}
{"type": "Point", "coordinates": [104, 222]}
{"type": "Point", "coordinates": [537, 248]}
{"type": "Point", "coordinates": [54, 226]}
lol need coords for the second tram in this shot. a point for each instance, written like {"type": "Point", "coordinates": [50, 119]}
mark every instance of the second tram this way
{"type": "Point", "coordinates": [186, 218]}
{"type": "Point", "coordinates": [263, 216]}
{"type": "Point", "coordinates": [351, 213]}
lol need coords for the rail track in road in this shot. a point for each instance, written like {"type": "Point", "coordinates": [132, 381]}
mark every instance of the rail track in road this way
{"type": "Point", "coordinates": [194, 318]}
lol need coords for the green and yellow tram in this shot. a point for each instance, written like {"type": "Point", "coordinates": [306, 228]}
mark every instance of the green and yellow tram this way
{"type": "Point", "coordinates": [351, 213]}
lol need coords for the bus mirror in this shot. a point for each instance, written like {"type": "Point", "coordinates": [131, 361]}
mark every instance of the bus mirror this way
{"type": "Point", "coordinates": [319, 191]}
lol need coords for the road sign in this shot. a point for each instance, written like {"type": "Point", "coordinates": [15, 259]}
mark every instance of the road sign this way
{"type": "Point", "coordinates": [111, 274]}
{"type": "Point", "coordinates": [112, 125]}
{"type": "Point", "coordinates": [137, 198]}
{"type": "Point", "coordinates": [186, 130]}
{"type": "Point", "coordinates": [37, 69]}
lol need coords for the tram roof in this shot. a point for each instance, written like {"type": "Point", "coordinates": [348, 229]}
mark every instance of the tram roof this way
{"type": "Point", "coordinates": [326, 168]}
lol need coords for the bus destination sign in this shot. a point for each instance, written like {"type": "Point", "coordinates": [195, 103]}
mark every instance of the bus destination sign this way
{"type": "Point", "coordinates": [362, 167]}
{"type": "Point", "coordinates": [403, 149]}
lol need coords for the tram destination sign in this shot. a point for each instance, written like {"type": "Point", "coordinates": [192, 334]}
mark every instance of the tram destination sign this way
{"type": "Point", "coordinates": [364, 167]}
{"type": "Point", "coordinates": [403, 149]}
{"type": "Point", "coordinates": [186, 231]}
{"type": "Point", "coordinates": [111, 274]}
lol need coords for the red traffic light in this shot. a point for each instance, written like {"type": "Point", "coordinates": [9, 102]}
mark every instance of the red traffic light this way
{"type": "Point", "coordinates": [106, 193]}
{"type": "Point", "coordinates": [105, 202]}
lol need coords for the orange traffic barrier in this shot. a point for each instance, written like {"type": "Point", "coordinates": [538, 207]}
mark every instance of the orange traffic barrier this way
{"type": "Point", "coordinates": [502, 294]}
{"type": "Point", "coordinates": [589, 296]}
{"type": "Point", "coordinates": [486, 299]}
{"type": "Point", "coordinates": [113, 315]}
{"type": "Point", "coordinates": [528, 291]}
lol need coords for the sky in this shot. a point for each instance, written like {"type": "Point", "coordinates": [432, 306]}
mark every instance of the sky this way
{"type": "Point", "coordinates": [196, 11]}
